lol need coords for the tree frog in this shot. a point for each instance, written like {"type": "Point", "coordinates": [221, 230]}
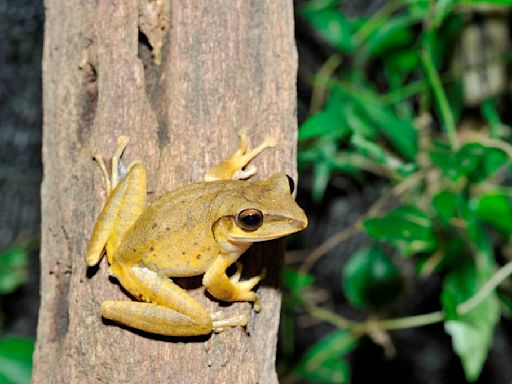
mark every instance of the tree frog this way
{"type": "Point", "coordinates": [198, 229]}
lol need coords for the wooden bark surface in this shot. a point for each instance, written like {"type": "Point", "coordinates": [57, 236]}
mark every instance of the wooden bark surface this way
{"type": "Point", "coordinates": [225, 64]}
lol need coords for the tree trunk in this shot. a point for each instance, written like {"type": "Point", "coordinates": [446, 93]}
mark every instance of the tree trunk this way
{"type": "Point", "coordinates": [224, 64]}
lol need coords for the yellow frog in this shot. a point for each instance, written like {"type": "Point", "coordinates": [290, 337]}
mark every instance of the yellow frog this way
{"type": "Point", "coordinates": [200, 228]}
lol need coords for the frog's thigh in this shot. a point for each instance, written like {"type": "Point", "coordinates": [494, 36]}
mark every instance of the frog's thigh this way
{"type": "Point", "coordinates": [124, 205]}
{"type": "Point", "coordinates": [153, 318]}
{"type": "Point", "coordinates": [169, 311]}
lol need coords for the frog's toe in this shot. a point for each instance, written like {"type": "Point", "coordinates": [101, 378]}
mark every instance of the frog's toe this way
{"type": "Point", "coordinates": [236, 321]}
{"type": "Point", "coordinates": [257, 304]}
{"type": "Point", "coordinates": [245, 173]}
{"type": "Point", "coordinates": [248, 285]}
{"type": "Point", "coordinates": [236, 276]}
{"type": "Point", "coordinates": [269, 141]}
{"type": "Point", "coordinates": [219, 315]}
{"type": "Point", "coordinates": [101, 163]}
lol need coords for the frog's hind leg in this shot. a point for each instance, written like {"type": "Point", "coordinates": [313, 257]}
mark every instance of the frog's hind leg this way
{"type": "Point", "coordinates": [125, 203]}
{"type": "Point", "coordinates": [168, 310]}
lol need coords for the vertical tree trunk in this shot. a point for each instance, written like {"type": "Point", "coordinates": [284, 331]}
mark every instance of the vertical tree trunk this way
{"type": "Point", "coordinates": [224, 64]}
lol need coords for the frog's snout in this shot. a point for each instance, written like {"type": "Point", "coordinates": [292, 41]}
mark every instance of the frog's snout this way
{"type": "Point", "coordinates": [300, 223]}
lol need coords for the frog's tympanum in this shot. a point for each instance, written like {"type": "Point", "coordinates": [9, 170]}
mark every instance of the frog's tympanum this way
{"type": "Point", "coordinates": [199, 229]}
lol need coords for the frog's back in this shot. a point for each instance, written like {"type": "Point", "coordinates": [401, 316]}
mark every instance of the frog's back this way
{"type": "Point", "coordinates": [173, 236]}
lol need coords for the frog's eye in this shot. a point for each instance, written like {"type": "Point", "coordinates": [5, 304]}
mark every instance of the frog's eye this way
{"type": "Point", "coordinates": [291, 184]}
{"type": "Point", "coordinates": [249, 219]}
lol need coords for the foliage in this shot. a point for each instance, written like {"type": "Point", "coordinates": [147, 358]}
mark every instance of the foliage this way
{"type": "Point", "coordinates": [13, 269]}
{"type": "Point", "coordinates": [401, 125]}
{"type": "Point", "coordinates": [15, 352]}
{"type": "Point", "coordinates": [322, 362]}
{"type": "Point", "coordinates": [16, 360]}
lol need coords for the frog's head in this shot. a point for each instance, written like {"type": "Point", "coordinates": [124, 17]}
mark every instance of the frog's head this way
{"type": "Point", "coordinates": [260, 211]}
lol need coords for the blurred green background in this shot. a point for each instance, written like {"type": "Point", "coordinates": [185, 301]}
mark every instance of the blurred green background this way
{"type": "Point", "coordinates": [404, 156]}
{"type": "Point", "coordinates": [404, 160]}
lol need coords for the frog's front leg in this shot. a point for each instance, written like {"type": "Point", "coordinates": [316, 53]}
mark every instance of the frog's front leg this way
{"type": "Point", "coordinates": [168, 309]}
{"type": "Point", "coordinates": [236, 167]}
{"type": "Point", "coordinates": [126, 200]}
{"type": "Point", "coordinates": [224, 288]}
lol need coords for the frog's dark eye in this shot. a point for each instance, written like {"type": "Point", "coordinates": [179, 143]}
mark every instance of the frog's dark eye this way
{"type": "Point", "coordinates": [291, 184]}
{"type": "Point", "coordinates": [249, 219]}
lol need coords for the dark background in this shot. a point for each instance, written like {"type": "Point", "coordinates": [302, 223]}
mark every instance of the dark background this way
{"type": "Point", "coordinates": [21, 42]}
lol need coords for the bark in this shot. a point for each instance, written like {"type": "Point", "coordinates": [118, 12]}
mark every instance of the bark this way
{"type": "Point", "coordinates": [224, 64]}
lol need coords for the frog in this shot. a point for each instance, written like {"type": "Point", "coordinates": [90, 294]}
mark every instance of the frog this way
{"type": "Point", "coordinates": [201, 228]}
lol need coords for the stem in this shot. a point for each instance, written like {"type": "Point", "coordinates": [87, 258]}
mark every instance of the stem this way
{"type": "Point", "coordinates": [321, 82]}
{"type": "Point", "coordinates": [411, 321]}
{"type": "Point", "coordinates": [329, 316]}
{"type": "Point", "coordinates": [486, 290]}
{"type": "Point", "coordinates": [379, 18]}
{"type": "Point", "coordinates": [489, 112]}
{"type": "Point", "coordinates": [440, 96]}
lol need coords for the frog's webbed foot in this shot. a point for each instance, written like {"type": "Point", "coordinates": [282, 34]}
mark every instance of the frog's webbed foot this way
{"type": "Point", "coordinates": [231, 288]}
{"type": "Point", "coordinates": [237, 166]}
{"type": "Point", "coordinates": [118, 170]}
{"type": "Point", "coordinates": [248, 285]}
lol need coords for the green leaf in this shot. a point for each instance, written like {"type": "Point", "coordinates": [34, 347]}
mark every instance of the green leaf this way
{"type": "Point", "coordinates": [471, 332]}
{"type": "Point", "coordinates": [332, 25]}
{"type": "Point", "coordinates": [331, 121]}
{"type": "Point", "coordinates": [496, 210]}
{"type": "Point", "coordinates": [481, 243]}
{"type": "Point", "coordinates": [371, 279]}
{"type": "Point", "coordinates": [295, 280]}
{"type": "Point", "coordinates": [404, 61]}
{"type": "Point", "coordinates": [471, 343]}
{"type": "Point", "coordinates": [442, 157]}
{"type": "Point", "coordinates": [473, 161]}
{"type": "Point", "coordinates": [420, 8]}
{"type": "Point", "coordinates": [394, 34]}
{"type": "Point", "coordinates": [352, 162]}
{"type": "Point", "coordinates": [16, 360]}
{"type": "Point", "coordinates": [401, 133]}
{"type": "Point", "coordinates": [442, 9]}
{"type": "Point", "coordinates": [478, 162]}
{"type": "Point", "coordinates": [337, 101]}
{"type": "Point", "coordinates": [375, 152]}
{"type": "Point", "coordinates": [358, 121]}
{"type": "Point", "coordinates": [331, 371]}
{"type": "Point", "coordinates": [407, 228]}
{"type": "Point", "coordinates": [321, 175]}
{"type": "Point", "coordinates": [322, 364]}
{"type": "Point", "coordinates": [322, 123]}
{"type": "Point", "coordinates": [13, 269]}
{"type": "Point", "coordinates": [446, 204]}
